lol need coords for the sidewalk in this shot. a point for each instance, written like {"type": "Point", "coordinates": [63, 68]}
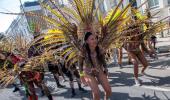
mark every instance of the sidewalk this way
{"type": "Point", "coordinates": [163, 44]}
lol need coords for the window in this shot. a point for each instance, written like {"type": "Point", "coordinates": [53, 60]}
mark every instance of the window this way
{"type": "Point", "coordinates": [134, 4]}
{"type": "Point", "coordinates": [102, 8]}
{"type": "Point", "coordinates": [153, 3]}
{"type": "Point", "coordinates": [168, 2]}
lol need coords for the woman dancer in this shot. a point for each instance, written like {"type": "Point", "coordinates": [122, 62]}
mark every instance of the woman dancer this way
{"type": "Point", "coordinates": [132, 46]}
{"type": "Point", "coordinates": [94, 71]}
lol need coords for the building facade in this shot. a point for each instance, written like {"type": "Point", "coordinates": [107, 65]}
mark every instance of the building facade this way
{"type": "Point", "coordinates": [160, 9]}
{"type": "Point", "coordinates": [35, 23]}
{"type": "Point", "coordinates": [18, 27]}
{"type": "Point", "coordinates": [27, 26]}
{"type": "Point", "coordinates": [111, 4]}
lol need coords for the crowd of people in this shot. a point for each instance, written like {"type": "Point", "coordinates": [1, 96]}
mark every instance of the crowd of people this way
{"type": "Point", "coordinates": [82, 72]}
{"type": "Point", "coordinates": [84, 59]}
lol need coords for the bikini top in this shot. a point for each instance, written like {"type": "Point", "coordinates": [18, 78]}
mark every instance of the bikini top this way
{"type": "Point", "coordinates": [85, 61]}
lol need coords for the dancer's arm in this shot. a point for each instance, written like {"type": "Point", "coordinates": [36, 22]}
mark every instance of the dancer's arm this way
{"type": "Point", "coordinates": [80, 63]}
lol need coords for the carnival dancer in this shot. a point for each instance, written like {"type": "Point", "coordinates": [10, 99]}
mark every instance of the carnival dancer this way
{"type": "Point", "coordinates": [70, 73]}
{"type": "Point", "coordinates": [35, 51]}
{"type": "Point", "coordinates": [54, 69]}
{"type": "Point", "coordinates": [11, 60]}
{"type": "Point", "coordinates": [27, 78]}
{"type": "Point", "coordinates": [132, 46]}
{"type": "Point", "coordinates": [94, 71]}
{"type": "Point", "coordinates": [120, 54]}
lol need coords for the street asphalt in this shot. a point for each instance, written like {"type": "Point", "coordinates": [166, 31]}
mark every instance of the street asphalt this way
{"type": "Point", "coordinates": [155, 83]}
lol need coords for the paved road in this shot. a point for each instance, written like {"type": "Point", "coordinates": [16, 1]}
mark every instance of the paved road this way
{"type": "Point", "coordinates": [156, 84]}
{"type": "Point", "coordinates": [163, 44]}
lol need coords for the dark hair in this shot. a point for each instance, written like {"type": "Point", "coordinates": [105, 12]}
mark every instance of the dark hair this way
{"type": "Point", "coordinates": [87, 34]}
{"type": "Point", "coordinates": [100, 57]}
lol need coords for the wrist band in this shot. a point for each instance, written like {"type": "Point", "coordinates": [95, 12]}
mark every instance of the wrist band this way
{"type": "Point", "coordinates": [81, 74]}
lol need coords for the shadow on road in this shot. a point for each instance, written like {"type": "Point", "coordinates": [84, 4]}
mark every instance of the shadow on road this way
{"type": "Point", "coordinates": [125, 96]}
{"type": "Point", "coordinates": [120, 78]}
{"type": "Point", "coordinates": [158, 81]}
{"type": "Point", "coordinates": [67, 94]}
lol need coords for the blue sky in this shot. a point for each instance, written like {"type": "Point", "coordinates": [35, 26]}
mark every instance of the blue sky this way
{"type": "Point", "coordinates": [9, 6]}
